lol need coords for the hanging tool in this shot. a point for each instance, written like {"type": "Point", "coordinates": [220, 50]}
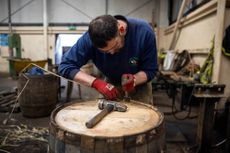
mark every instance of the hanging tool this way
{"type": "Point", "coordinates": [207, 67]}
{"type": "Point", "coordinates": [106, 107]}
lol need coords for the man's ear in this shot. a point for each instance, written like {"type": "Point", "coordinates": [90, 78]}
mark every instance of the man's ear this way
{"type": "Point", "coordinates": [122, 30]}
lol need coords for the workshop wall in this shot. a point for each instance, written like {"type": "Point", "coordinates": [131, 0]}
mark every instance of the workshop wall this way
{"type": "Point", "coordinates": [195, 35]}
{"type": "Point", "coordinates": [196, 32]}
{"type": "Point", "coordinates": [3, 59]}
{"type": "Point", "coordinates": [32, 46]}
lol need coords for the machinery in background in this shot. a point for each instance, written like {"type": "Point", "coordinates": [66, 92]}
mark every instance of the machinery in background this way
{"type": "Point", "coordinates": [16, 62]}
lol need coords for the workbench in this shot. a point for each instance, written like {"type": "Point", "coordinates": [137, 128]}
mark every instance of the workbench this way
{"type": "Point", "coordinates": [207, 95]}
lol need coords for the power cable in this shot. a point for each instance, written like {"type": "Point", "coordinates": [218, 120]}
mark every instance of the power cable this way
{"type": "Point", "coordinates": [175, 110]}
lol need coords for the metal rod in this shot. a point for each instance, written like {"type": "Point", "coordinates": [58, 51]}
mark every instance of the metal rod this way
{"type": "Point", "coordinates": [9, 14]}
{"type": "Point", "coordinates": [106, 6]}
{"type": "Point", "coordinates": [45, 27]}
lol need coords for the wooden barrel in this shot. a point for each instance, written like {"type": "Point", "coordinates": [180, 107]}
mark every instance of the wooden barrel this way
{"type": "Point", "coordinates": [138, 130]}
{"type": "Point", "coordinates": [40, 96]}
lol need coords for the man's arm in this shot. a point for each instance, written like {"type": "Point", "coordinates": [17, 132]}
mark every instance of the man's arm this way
{"type": "Point", "coordinates": [140, 78]}
{"type": "Point", "coordinates": [148, 60]}
{"type": "Point", "coordinates": [107, 89]}
{"type": "Point", "coordinates": [84, 78]}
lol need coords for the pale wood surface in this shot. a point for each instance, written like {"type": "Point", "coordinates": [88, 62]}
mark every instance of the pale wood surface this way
{"type": "Point", "coordinates": [138, 118]}
{"type": "Point", "coordinates": [220, 16]}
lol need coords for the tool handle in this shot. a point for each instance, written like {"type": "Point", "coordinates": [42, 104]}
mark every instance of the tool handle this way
{"type": "Point", "coordinates": [126, 97]}
{"type": "Point", "coordinates": [93, 121]}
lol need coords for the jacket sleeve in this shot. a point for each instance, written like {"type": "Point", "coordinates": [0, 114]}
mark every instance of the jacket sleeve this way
{"type": "Point", "coordinates": [75, 58]}
{"type": "Point", "coordinates": [148, 61]}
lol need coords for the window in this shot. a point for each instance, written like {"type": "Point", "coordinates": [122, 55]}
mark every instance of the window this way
{"type": "Point", "coordinates": [174, 8]}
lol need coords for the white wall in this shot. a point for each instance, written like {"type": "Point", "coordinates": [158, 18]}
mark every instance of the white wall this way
{"type": "Point", "coordinates": [32, 46]}
{"type": "Point", "coordinates": [74, 11]}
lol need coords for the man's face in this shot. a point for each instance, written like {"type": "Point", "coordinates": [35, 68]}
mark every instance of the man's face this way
{"type": "Point", "coordinates": [114, 45]}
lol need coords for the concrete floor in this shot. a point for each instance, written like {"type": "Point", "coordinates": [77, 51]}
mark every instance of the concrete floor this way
{"type": "Point", "coordinates": [180, 134]}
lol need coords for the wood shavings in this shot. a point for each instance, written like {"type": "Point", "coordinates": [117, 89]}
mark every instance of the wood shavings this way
{"type": "Point", "coordinates": [17, 134]}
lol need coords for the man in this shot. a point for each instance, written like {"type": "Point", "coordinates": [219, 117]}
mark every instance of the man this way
{"type": "Point", "coordinates": [122, 49]}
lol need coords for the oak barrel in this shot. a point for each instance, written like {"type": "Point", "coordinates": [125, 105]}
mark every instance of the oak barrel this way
{"type": "Point", "coordinates": [138, 130]}
{"type": "Point", "coordinates": [40, 95]}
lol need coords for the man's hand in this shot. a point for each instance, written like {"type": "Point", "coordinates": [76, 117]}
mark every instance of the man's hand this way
{"type": "Point", "coordinates": [107, 89]}
{"type": "Point", "coordinates": [128, 82]}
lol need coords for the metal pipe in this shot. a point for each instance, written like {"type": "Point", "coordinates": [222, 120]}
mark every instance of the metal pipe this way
{"type": "Point", "coordinates": [45, 27]}
{"type": "Point", "coordinates": [106, 6]}
{"type": "Point", "coordinates": [10, 27]}
{"type": "Point", "coordinates": [9, 14]}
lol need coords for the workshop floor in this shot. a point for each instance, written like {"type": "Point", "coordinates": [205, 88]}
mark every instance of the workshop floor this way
{"type": "Point", "coordinates": [180, 134]}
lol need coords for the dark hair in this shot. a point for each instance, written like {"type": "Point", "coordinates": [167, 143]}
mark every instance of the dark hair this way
{"type": "Point", "coordinates": [102, 29]}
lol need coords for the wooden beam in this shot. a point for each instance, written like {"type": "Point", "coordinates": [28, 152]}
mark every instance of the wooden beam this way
{"type": "Point", "coordinates": [172, 44]}
{"type": "Point", "coordinates": [39, 31]}
{"type": "Point", "coordinates": [220, 17]}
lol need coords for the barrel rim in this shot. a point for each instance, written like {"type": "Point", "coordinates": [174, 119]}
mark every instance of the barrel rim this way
{"type": "Point", "coordinates": [63, 134]}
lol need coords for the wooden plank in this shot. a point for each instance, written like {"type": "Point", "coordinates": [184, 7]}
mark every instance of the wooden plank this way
{"type": "Point", "coordinates": [115, 145]}
{"type": "Point", "coordinates": [9, 108]}
{"type": "Point", "coordinates": [3, 101]}
{"type": "Point", "coordinates": [172, 44]}
{"type": "Point", "coordinates": [100, 146]}
{"type": "Point", "coordinates": [218, 40]}
{"type": "Point", "coordinates": [8, 103]}
{"type": "Point", "coordinates": [2, 92]}
{"type": "Point", "coordinates": [142, 148]}
{"type": "Point", "coordinates": [59, 146]}
{"type": "Point", "coordinates": [205, 124]}
{"type": "Point", "coordinates": [7, 97]}
{"type": "Point", "coordinates": [87, 144]}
